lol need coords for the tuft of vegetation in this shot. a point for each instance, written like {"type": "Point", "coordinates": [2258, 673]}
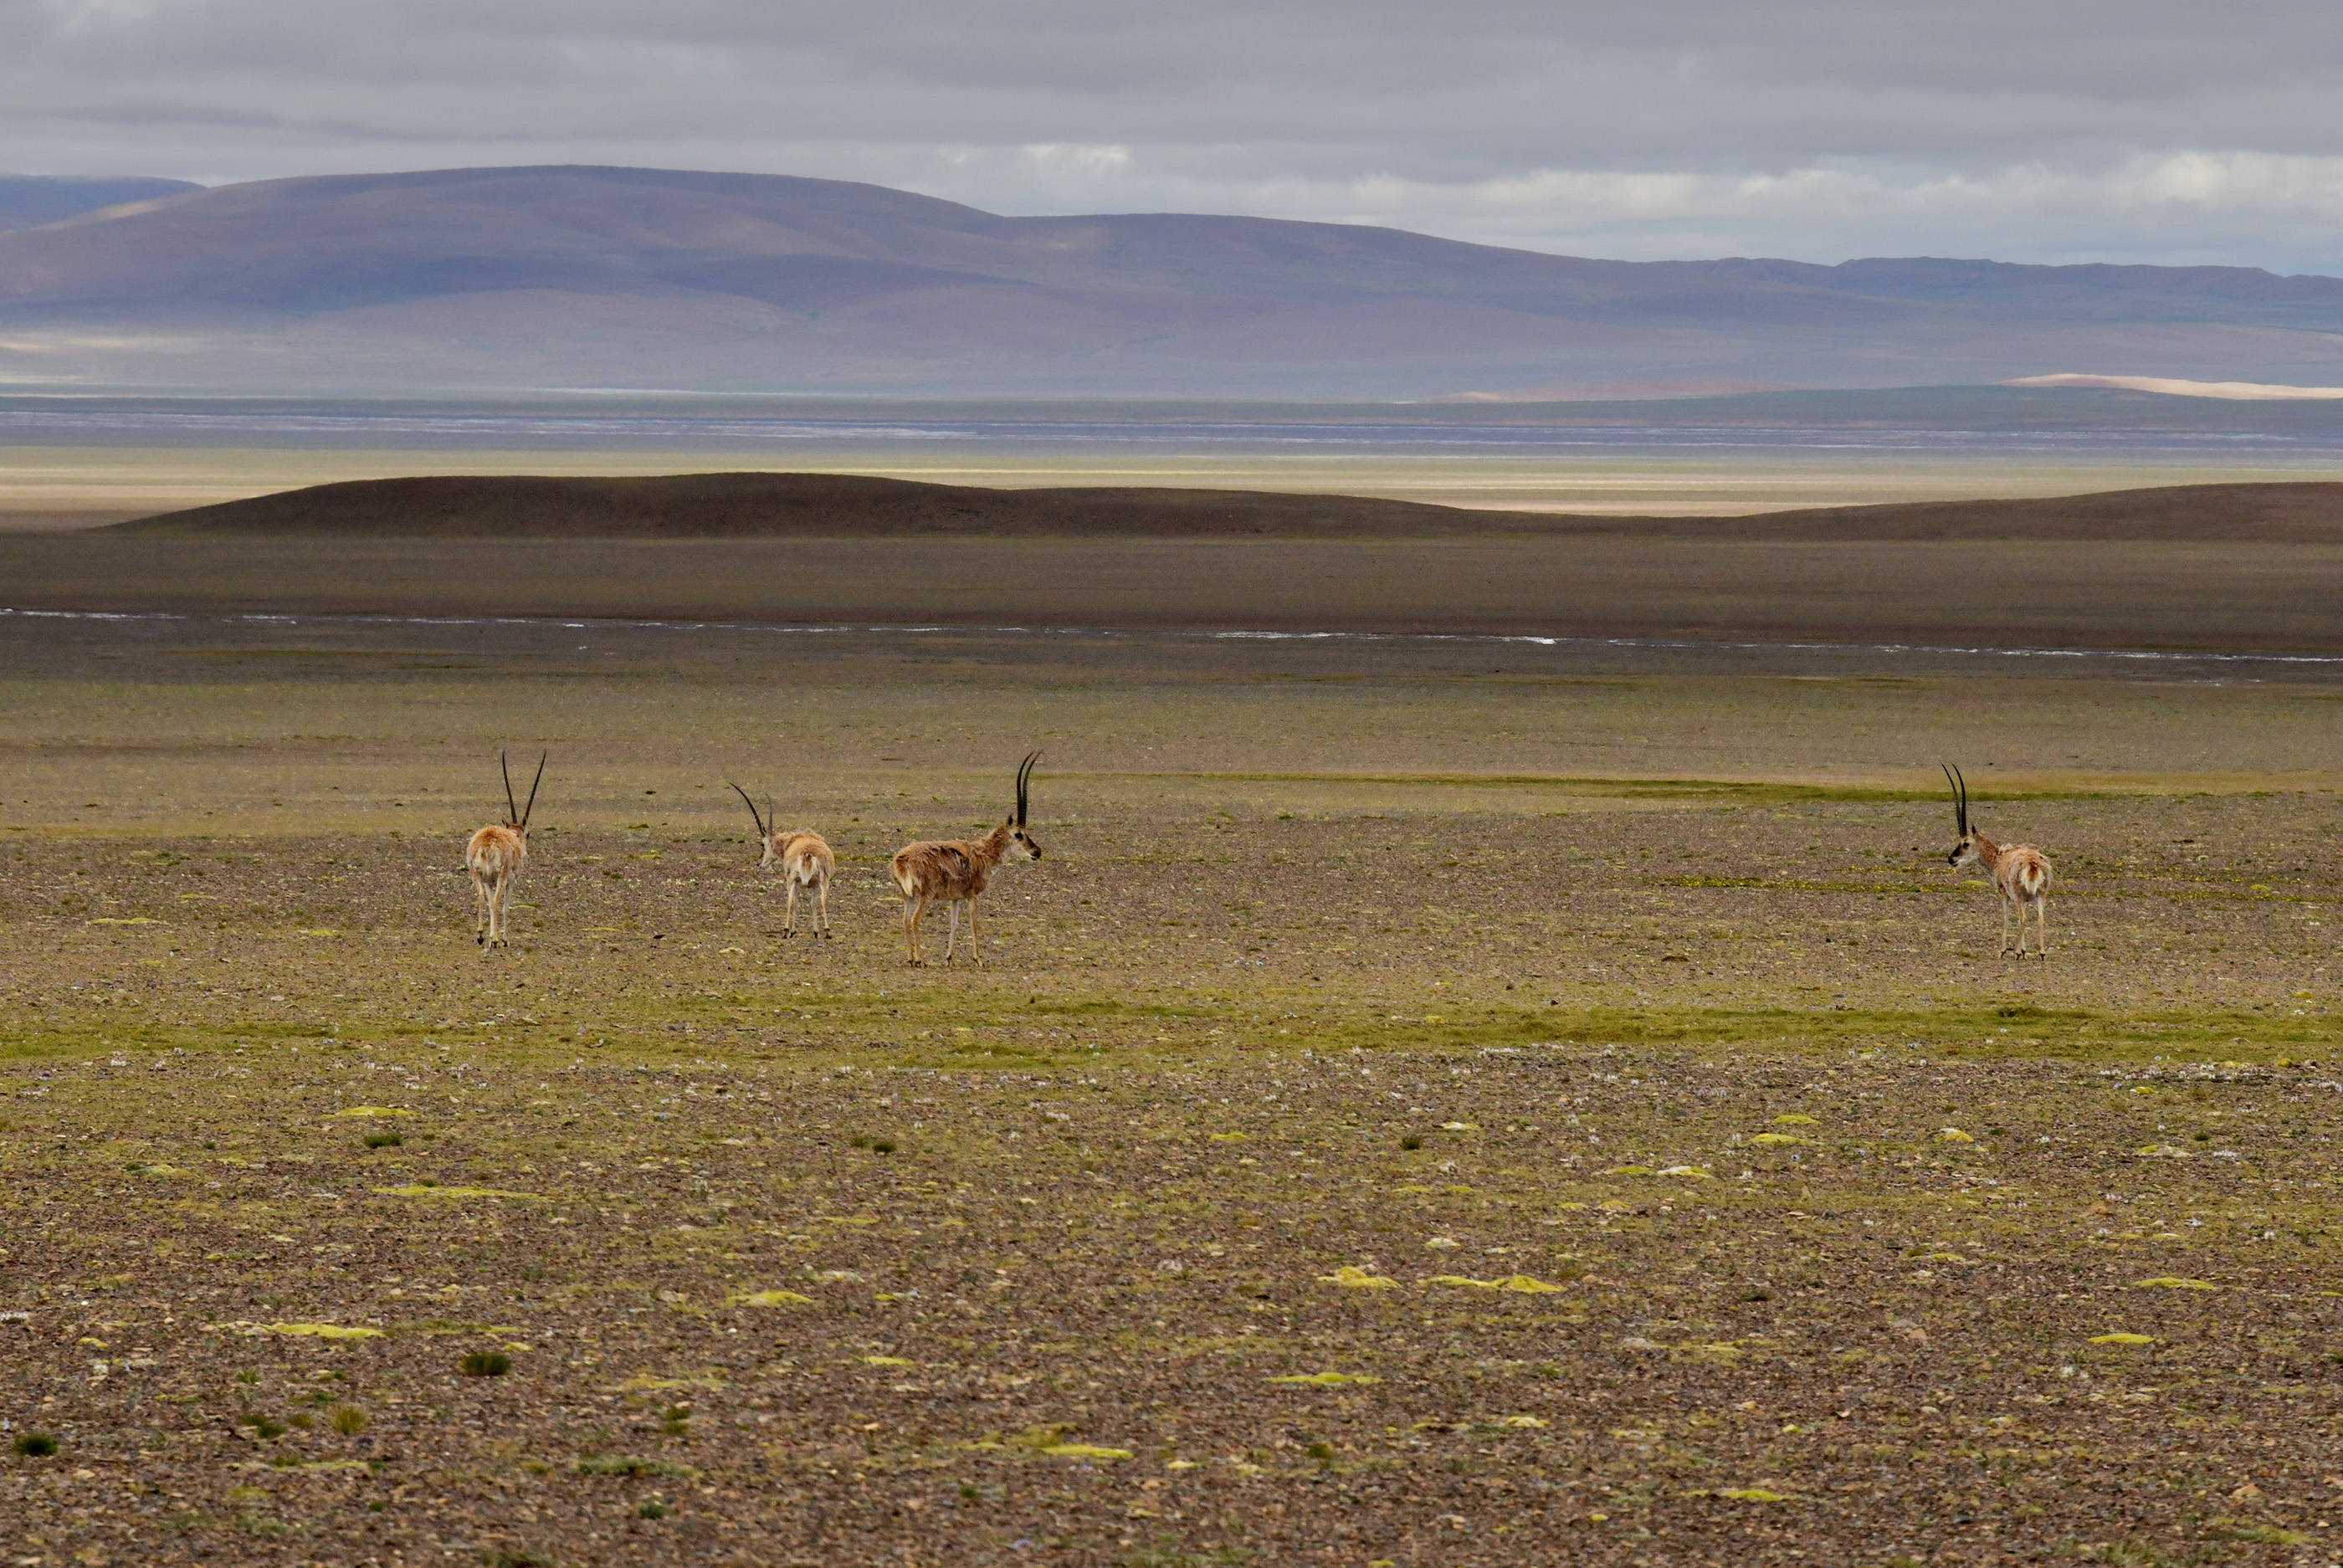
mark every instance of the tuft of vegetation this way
{"type": "Point", "coordinates": [486, 1363]}
{"type": "Point", "coordinates": [651, 1508]}
{"type": "Point", "coordinates": [1411, 1142]}
{"type": "Point", "coordinates": [36, 1445]}
{"type": "Point", "coordinates": [623, 1464]}
{"type": "Point", "coordinates": [349, 1420]}
{"type": "Point", "coordinates": [384, 1141]}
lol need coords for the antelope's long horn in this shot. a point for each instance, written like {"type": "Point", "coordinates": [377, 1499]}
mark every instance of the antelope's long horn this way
{"type": "Point", "coordinates": [532, 788]}
{"type": "Point", "coordinates": [752, 808]}
{"type": "Point", "coordinates": [1960, 798]}
{"type": "Point", "coordinates": [512, 812]}
{"type": "Point", "coordinates": [1024, 783]}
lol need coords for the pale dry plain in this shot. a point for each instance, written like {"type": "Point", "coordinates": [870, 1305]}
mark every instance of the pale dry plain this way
{"type": "Point", "coordinates": [44, 488]}
{"type": "Point", "coordinates": [1435, 1102]}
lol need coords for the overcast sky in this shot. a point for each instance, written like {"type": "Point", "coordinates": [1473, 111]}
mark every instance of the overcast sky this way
{"type": "Point", "coordinates": [2051, 130]}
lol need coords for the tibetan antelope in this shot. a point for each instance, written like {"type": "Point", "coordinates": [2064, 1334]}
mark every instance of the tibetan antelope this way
{"type": "Point", "coordinates": [805, 860]}
{"type": "Point", "coordinates": [2020, 873]}
{"type": "Point", "coordinates": [496, 855]}
{"type": "Point", "coordinates": [956, 871]}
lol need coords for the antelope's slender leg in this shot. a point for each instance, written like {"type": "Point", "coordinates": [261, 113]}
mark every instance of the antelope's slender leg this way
{"type": "Point", "coordinates": [951, 936]}
{"type": "Point", "coordinates": [2042, 926]}
{"type": "Point", "coordinates": [973, 950]}
{"type": "Point", "coordinates": [821, 905]}
{"type": "Point", "coordinates": [912, 905]}
{"type": "Point", "coordinates": [2005, 926]}
{"type": "Point", "coordinates": [480, 910]}
{"type": "Point", "coordinates": [789, 919]}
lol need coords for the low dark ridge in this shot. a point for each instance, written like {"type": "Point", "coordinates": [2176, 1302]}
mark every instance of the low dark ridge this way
{"type": "Point", "coordinates": [756, 504]}
{"type": "Point", "coordinates": [747, 506]}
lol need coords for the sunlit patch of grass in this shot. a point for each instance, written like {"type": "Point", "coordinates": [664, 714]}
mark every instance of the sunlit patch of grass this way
{"type": "Point", "coordinates": [430, 1190]}
{"type": "Point", "coordinates": [62, 1036]}
{"type": "Point", "coordinates": [2070, 1033]}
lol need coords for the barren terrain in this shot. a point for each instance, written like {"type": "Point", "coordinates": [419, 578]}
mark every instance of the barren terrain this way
{"type": "Point", "coordinates": [1433, 1102]}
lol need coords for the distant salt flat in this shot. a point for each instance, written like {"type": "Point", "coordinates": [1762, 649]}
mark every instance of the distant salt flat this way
{"type": "Point", "coordinates": [2229, 391]}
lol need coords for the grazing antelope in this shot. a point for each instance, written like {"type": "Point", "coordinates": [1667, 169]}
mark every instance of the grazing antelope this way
{"type": "Point", "coordinates": [956, 871]}
{"type": "Point", "coordinates": [2020, 873]}
{"type": "Point", "coordinates": [805, 860]}
{"type": "Point", "coordinates": [496, 855]}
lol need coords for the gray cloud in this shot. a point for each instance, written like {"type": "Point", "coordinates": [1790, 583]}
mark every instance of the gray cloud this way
{"type": "Point", "coordinates": [1812, 128]}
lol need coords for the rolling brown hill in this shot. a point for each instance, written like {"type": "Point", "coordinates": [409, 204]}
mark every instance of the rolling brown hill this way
{"type": "Point", "coordinates": [781, 505]}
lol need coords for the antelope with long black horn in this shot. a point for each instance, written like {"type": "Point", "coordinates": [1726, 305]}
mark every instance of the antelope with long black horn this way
{"type": "Point", "coordinates": [496, 855]}
{"type": "Point", "coordinates": [805, 860]}
{"type": "Point", "coordinates": [2020, 872]}
{"type": "Point", "coordinates": [956, 871]}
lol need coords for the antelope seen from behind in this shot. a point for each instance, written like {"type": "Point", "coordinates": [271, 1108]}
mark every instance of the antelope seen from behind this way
{"type": "Point", "coordinates": [805, 860]}
{"type": "Point", "coordinates": [494, 856]}
{"type": "Point", "coordinates": [2020, 872]}
{"type": "Point", "coordinates": [956, 871]}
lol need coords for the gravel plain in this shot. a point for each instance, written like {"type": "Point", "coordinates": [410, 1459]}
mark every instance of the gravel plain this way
{"type": "Point", "coordinates": [1430, 1105]}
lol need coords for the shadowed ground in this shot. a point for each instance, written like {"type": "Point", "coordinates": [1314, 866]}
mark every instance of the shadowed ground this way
{"type": "Point", "coordinates": [2265, 597]}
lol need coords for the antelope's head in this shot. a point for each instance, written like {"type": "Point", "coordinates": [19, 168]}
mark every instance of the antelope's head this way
{"type": "Point", "coordinates": [1021, 845]}
{"type": "Point", "coordinates": [1964, 853]}
{"type": "Point", "coordinates": [765, 834]}
{"type": "Point", "coordinates": [517, 817]}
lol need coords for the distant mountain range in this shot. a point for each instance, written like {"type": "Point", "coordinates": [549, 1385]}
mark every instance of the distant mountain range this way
{"type": "Point", "coordinates": [482, 280]}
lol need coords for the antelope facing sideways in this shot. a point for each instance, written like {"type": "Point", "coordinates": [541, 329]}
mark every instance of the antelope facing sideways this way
{"type": "Point", "coordinates": [496, 855]}
{"type": "Point", "coordinates": [2020, 873]}
{"type": "Point", "coordinates": [806, 862]}
{"type": "Point", "coordinates": [957, 871]}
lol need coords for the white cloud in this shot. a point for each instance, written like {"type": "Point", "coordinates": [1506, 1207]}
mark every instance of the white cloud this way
{"type": "Point", "coordinates": [2121, 129]}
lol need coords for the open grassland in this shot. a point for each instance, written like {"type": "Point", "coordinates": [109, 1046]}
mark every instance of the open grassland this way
{"type": "Point", "coordinates": [1428, 1107]}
